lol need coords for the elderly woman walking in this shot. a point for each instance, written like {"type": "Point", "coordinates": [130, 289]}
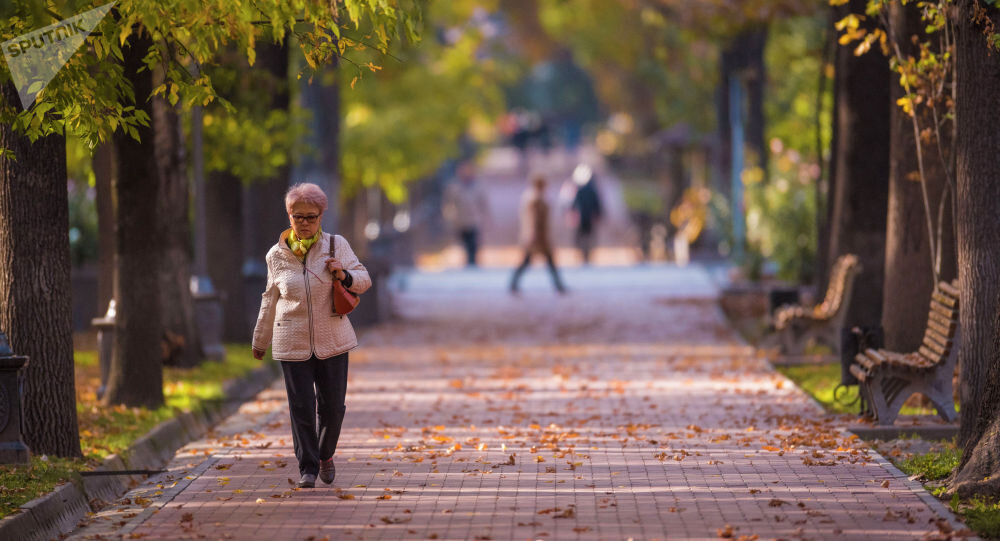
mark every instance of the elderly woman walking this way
{"type": "Point", "coordinates": [297, 319]}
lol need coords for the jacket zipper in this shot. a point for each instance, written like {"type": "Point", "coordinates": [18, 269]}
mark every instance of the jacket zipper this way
{"type": "Point", "coordinates": [305, 277]}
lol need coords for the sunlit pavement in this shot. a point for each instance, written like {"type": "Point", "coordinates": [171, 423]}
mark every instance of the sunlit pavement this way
{"type": "Point", "coordinates": [626, 409]}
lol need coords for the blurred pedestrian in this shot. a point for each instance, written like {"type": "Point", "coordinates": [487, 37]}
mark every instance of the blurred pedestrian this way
{"type": "Point", "coordinates": [297, 319]}
{"type": "Point", "coordinates": [535, 233]}
{"type": "Point", "coordinates": [587, 209]}
{"type": "Point", "coordinates": [465, 206]}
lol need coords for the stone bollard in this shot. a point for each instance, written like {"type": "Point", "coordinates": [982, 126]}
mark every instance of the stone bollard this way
{"type": "Point", "coordinates": [105, 342]}
{"type": "Point", "coordinates": [12, 447]}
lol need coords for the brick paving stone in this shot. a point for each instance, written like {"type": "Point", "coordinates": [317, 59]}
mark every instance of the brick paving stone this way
{"type": "Point", "coordinates": [630, 411]}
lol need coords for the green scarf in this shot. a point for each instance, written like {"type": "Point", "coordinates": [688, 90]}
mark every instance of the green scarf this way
{"type": "Point", "coordinates": [300, 247]}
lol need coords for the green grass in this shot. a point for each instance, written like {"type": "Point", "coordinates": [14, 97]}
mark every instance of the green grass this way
{"type": "Point", "coordinates": [981, 515]}
{"type": "Point", "coordinates": [934, 465]}
{"type": "Point", "coordinates": [820, 380]}
{"type": "Point", "coordinates": [21, 484]}
{"type": "Point", "coordinates": [105, 430]}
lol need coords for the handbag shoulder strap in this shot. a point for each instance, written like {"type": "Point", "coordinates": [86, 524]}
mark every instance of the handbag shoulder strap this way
{"type": "Point", "coordinates": [333, 241]}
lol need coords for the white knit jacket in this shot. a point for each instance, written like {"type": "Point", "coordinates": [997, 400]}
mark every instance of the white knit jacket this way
{"type": "Point", "coordinates": [296, 312]}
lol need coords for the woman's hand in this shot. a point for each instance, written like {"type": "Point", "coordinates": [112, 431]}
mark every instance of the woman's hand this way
{"type": "Point", "coordinates": [336, 268]}
{"type": "Point", "coordinates": [258, 353]}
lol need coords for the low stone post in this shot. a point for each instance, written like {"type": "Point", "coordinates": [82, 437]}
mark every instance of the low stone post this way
{"type": "Point", "coordinates": [12, 447]}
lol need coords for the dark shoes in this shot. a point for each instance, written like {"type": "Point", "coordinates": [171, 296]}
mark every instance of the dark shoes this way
{"type": "Point", "coordinates": [327, 471]}
{"type": "Point", "coordinates": [308, 480]}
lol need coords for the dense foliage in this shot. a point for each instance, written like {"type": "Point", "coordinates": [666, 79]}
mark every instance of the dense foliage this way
{"type": "Point", "coordinates": [90, 96]}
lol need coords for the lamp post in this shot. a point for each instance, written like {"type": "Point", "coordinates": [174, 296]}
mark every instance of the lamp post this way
{"type": "Point", "coordinates": [12, 447]}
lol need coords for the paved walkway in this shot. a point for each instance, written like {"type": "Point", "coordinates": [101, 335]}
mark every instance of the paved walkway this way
{"type": "Point", "coordinates": [627, 409]}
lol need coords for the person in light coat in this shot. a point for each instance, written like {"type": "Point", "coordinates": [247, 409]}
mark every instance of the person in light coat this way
{"type": "Point", "coordinates": [297, 320]}
{"type": "Point", "coordinates": [466, 207]}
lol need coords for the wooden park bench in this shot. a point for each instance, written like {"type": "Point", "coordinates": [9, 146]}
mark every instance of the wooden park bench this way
{"type": "Point", "coordinates": [795, 325]}
{"type": "Point", "coordinates": [888, 378]}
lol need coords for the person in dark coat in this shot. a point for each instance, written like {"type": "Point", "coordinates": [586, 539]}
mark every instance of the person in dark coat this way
{"type": "Point", "coordinates": [587, 208]}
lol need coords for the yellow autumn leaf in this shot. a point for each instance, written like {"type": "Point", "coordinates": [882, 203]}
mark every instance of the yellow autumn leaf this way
{"type": "Point", "coordinates": [850, 22]}
{"type": "Point", "coordinates": [906, 104]}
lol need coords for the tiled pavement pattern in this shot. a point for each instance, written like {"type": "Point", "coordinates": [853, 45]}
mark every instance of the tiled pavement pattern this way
{"type": "Point", "coordinates": [625, 410]}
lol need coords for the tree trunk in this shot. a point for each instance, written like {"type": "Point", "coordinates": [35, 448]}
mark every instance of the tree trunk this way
{"type": "Point", "coordinates": [724, 130]}
{"type": "Point", "coordinates": [909, 273]}
{"type": "Point", "coordinates": [977, 112]}
{"type": "Point", "coordinates": [36, 313]}
{"type": "Point", "coordinates": [755, 76]}
{"type": "Point", "coordinates": [264, 215]}
{"type": "Point", "coordinates": [265, 211]}
{"type": "Point", "coordinates": [136, 374]}
{"type": "Point", "coordinates": [861, 154]}
{"type": "Point", "coordinates": [322, 98]}
{"type": "Point", "coordinates": [183, 347]}
{"type": "Point", "coordinates": [104, 161]}
{"type": "Point", "coordinates": [823, 261]}
{"type": "Point", "coordinates": [353, 219]}
{"type": "Point", "coordinates": [224, 211]}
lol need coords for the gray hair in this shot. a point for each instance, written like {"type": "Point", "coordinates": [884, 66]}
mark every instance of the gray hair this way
{"type": "Point", "coordinates": [306, 192]}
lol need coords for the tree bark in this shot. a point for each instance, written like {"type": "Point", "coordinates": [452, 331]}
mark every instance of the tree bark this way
{"type": "Point", "coordinates": [861, 155]}
{"type": "Point", "coordinates": [104, 161]}
{"type": "Point", "coordinates": [755, 76]}
{"type": "Point", "coordinates": [353, 219]}
{"type": "Point", "coordinates": [136, 374]}
{"type": "Point", "coordinates": [823, 261]}
{"type": "Point", "coordinates": [322, 97]}
{"type": "Point", "coordinates": [224, 210]}
{"type": "Point", "coordinates": [724, 130]}
{"type": "Point", "coordinates": [183, 347]}
{"type": "Point", "coordinates": [909, 272]}
{"type": "Point", "coordinates": [265, 212]}
{"type": "Point", "coordinates": [977, 111]}
{"type": "Point", "coordinates": [744, 56]}
{"type": "Point", "coordinates": [36, 313]}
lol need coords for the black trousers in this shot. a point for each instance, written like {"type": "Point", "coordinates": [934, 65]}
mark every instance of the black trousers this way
{"type": "Point", "coordinates": [316, 386]}
{"type": "Point", "coordinates": [585, 242]}
{"type": "Point", "coordinates": [470, 241]}
{"type": "Point", "coordinates": [549, 260]}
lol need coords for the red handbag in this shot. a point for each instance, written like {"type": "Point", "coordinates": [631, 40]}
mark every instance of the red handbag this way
{"type": "Point", "coordinates": [344, 301]}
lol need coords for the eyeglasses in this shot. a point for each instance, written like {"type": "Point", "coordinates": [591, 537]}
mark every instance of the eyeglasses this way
{"type": "Point", "coordinates": [305, 218]}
